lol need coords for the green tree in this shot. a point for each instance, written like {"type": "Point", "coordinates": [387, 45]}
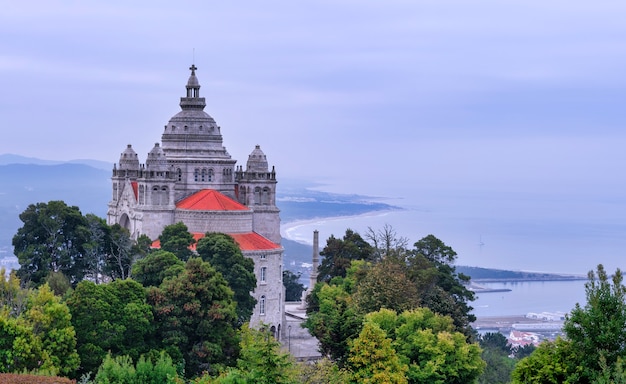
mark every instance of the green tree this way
{"type": "Point", "coordinates": [498, 367]}
{"type": "Point", "coordinates": [323, 371]}
{"type": "Point", "coordinates": [38, 336]}
{"type": "Point", "coordinates": [120, 256]}
{"type": "Point", "coordinates": [156, 267]}
{"type": "Point", "coordinates": [522, 351]}
{"type": "Point", "coordinates": [51, 240]}
{"type": "Point", "coordinates": [59, 283]}
{"type": "Point", "coordinates": [496, 351]}
{"type": "Point", "coordinates": [552, 362]}
{"type": "Point", "coordinates": [336, 322]}
{"type": "Point", "coordinates": [261, 361]}
{"type": "Point", "coordinates": [293, 287]}
{"type": "Point", "coordinates": [197, 317]}
{"type": "Point", "coordinates": [221, 251]}
{"type": "Point", "coordinates": [50, 322]}
{"type": "Point", "coordinates": [373, 359]}
{"type": "Point", "coordinates": [595, 338]}
{"type": "Point", "coordinates": [496, 341]}
{"type": "Point", "coordinates": [443, 290]}
{"type": "Point", "coordinates": [428, 344]}
{"type": "Point", "coordinates": [176, 238]}
{"type": "Point", "coordinates": [96, 247]}
{"type": "Point", "coordinates": [111, 317]}
{"type": "Point", "coordinates": [386, 285]}
{"type": "Point", "coordinates": [121, 370]}
{"type": "Point", "coordinates": [598, 330]}
{"type": "Point", "coordinates": [338, 254]}
{"type": "Point", "coordinates": [20, 350]}
{"type": "Point", "coordinates": [13, 298]}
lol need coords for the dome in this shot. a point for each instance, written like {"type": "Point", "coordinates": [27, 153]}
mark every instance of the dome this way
{"type": "Point", "coordinates": [192, 133]}
{"type": "Point", "coordinates": [193, 81]}
{"type": "Point", "coordinates": [156, 159]}
{"type": "Point", "coordinates": [129, 159]}
{"type": "Point", "coordinates": [257, 162]}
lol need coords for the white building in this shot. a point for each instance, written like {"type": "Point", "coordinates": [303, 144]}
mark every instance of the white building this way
{"type": "Point", "coordinates": [191, 178]}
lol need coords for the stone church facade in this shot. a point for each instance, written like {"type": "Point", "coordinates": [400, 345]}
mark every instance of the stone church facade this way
{"type": "Point", "coordinates": [190, 177]}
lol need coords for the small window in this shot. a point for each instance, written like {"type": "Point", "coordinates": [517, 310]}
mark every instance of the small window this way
{"type": "Point", "coordinates": [262, 305]}
{"type": "Point", "coordinates": [263, 257]}
{"type": "Point", "coordinates": [263, 274]}
{"type": "Point", "coordinates": [203, 176]}
{"type": "Point", "coordinates": [196, 174]}
{"type": "Point", "coordinates": [179, 172]}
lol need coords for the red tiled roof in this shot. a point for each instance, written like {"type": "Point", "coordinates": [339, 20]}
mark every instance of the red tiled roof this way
{"type": "Point", "coordinates": [252, 241]}
{"type": "Point", "coordinates": [210, 200]}
{"type": "Point", "coordinates": [249, 241]}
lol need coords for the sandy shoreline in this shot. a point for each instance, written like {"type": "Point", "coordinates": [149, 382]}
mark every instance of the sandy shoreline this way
{"type": "Point", "coordinates": [288, 229]}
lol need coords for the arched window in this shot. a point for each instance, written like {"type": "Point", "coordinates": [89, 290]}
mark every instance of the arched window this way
{"type": "Point", "coordinates": [203, 177]}
{"type": "Point", "coordinates": [164, 196]}
{"type": "Point", "coordinates": [257, 196]}
{"type": "Point", "coordinates": [196, 174]}
{"type": "Point", "coordinates": [262, 305]}
{"type": "Point", "coordinates": [179, 173]}
{"type": "Point", "coordinates": [142, 194]}
{"type": "Point", "coordinates": [210, 174]}
{"type": "Point", "coordinates": [265, 199]}
{"type": "Point", "coordinates": [243, 195]}
{"type": "Point", "coordinates": [154, 196]}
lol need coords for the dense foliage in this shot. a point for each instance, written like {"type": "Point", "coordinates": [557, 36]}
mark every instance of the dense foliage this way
{"type": "Point", "coordinates": [221, 251]}
{"type": "Point", "coordinates": [594, 346]}
{"type": "Point", "coordinates": [338, 254]}
{"type": "Point", "coordinates": [197, 318]}
{"type": "Point", "coordinates": [57, 238]}
{"type": "Point", "coordinates": [430, 346]}
{"type": "Point", "coordinates": [293, 287]}
{"type": "Point", "coordinates": [38, 337]}
{"type": "Point", "coordinates": [400, 279]}
{"type": "Point", "coordinates": [113, 317]}
{"type": "Point", "coordinates": [52, 239]}
{"type": "Point", "coordinates": [92, 301]}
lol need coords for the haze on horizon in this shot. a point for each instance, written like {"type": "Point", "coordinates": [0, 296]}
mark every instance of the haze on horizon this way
{"type": "Point", "coordinates": [486, 108]}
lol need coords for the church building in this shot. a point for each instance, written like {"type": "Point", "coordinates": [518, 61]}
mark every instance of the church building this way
{"type": "Point", "coordinates": [190, 177]}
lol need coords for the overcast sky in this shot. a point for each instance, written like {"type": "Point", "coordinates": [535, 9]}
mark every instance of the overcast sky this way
{"type": "Point", "coordinates": [488, 95]}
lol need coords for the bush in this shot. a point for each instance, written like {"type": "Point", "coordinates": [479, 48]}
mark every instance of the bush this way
{"type": "Point", "coordinates": [120, 370]}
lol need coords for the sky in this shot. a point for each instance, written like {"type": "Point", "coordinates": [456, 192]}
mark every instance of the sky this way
{"type": "Point", "coordinates": [471, 102]}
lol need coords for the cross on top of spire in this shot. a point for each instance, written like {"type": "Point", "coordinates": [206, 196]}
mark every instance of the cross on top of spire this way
{"type": "Point", "coordinates": [193, 69]}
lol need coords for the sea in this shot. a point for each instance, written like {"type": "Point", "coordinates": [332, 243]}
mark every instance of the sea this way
{"type": "Point", "coordinates": [512, 231]}
{"type": "Point", "coordinates": [529, 297]}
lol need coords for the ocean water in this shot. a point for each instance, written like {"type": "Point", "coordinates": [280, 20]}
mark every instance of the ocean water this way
{"type": "Point", "coordinates": [570, 230]}
{"type": "Point", "coordinates": [503, 234]}
{"type": "Point", "coordinates": [530, 296]}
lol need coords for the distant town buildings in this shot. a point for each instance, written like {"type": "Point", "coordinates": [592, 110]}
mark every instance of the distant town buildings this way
{"type": "Point", "coordinates": [190, 177]}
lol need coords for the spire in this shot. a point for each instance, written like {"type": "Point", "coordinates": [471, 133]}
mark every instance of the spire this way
{"type": "Point", "coordinates": [193, 99]}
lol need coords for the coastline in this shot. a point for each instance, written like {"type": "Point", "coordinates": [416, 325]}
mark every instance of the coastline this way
{"type": "Point", "coordinates": [288, 229]}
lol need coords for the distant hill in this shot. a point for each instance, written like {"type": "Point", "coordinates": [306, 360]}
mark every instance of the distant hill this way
{"type": "Point", "coordinates": [23, 184]}
{"type": "Point", "coordinates": [87, 185]}
{"type": "Point", "coordinates": [9, 158]}
{"type": "Point", "coordinates": [485, 275]}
